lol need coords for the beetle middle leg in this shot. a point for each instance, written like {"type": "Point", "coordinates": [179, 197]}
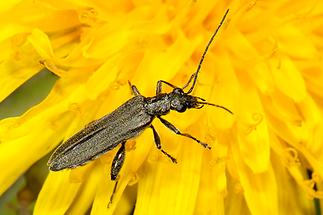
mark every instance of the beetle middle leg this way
{"type": "Point", "coordinates": [157, 142]}
{"type": "Point", "coordinates": [174, 129]}
{"type": "Point", "coordinates": [117, 163]}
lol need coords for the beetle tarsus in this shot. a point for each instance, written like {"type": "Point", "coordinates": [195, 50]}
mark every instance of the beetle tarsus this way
{"type": "Point", "coordinates": [113, 192]}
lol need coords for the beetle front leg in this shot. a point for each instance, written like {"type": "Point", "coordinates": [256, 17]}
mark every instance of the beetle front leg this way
{"type": "Point", "coordinates": [117, 163]}
{"type": "Point", "coordinates": [157, 142]}
{"type": "Point", "coordinates": [159, 86]}
{"type": "Point", "coordinates": [189, 81]}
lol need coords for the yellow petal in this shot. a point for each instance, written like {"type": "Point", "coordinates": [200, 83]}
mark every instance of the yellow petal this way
{"type": "Point", "coordinates": [223, 88]}
{"type": "Point", "coordinates": [17, 146]}
{"type": "Point", "coordinates": [17, 65]}
{"type": "Point", "coordinates": [57, 194]}
{"type": "Point", "coordinates": [162, 65]}
{"type": "Point", "coordinates": [5, 5]}
{"type": "Point", "coordinates": [288, 78]}
{"type": "Point", "coordinates": [175, 185]}
{"type": "Point", "coordinates": [260, 189]}
{"type": "Point", "coordinates": [213, 182]}
{"type": "Point", "coordinates": [289, 195]}
{"type": "Point", "coordinates": [83, 200]}
{"type": "Point", "coordinates": [253, 139]}
{"type": "Point", "coordinates": [288, 36]}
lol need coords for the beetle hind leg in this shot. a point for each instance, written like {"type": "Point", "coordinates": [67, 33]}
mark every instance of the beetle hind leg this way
{"type": "Point", "coordinates": [117, 163]}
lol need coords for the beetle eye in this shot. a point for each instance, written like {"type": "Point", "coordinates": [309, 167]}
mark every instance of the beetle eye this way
{"type": "Point", "coordinates": [181, 108]}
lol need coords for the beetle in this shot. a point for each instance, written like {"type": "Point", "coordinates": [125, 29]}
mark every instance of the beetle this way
{"type": "Point", "coordinates": [128, 121]}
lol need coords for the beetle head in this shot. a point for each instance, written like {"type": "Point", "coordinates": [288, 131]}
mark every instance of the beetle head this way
{"type": "Point", "coordinates": [181, 101]}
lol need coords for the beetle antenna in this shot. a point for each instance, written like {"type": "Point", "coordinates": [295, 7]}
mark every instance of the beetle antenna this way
{"type": "Point", "coordinates": [219, 106]}
{"type": "Point", "coordinates": [194, 75]}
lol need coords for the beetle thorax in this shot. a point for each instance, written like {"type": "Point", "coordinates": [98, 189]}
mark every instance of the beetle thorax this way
{"type": "Point", "coordinates": [176, 100]}
{"type": "Point", "coordinates": [158, 105]}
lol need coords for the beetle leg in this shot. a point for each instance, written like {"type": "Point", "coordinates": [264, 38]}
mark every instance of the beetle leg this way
{"type": "Point", "coordinates": [134, 89]}
{"type": "Point", "coordinates": [116, 167]}
{"type": "Point", "coordinates": [189, 81]}
{"type": "Point", "coordinates": [174, 129]}
{"type": "Point", "coordinates": [159, 86]}
{"type": "Point", "coordinates": [113, 192]}
{"type": "Point", "coordinates": [157, 142]}
{"type": "Point", "coordinates": [118, 161]}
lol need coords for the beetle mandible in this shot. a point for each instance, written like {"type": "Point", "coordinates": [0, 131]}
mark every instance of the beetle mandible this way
{"type": "Point", "coordinates": [128, 121]}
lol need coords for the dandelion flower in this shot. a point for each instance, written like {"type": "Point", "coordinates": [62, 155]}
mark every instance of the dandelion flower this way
{"type": "Point", "coordinates": [265, 66]}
